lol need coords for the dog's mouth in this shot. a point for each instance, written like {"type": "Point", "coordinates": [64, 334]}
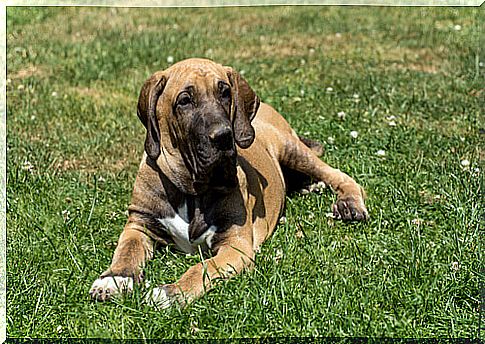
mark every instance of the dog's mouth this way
{"type": "Point", "coordinates": [224, 175]}
{"type": "Point", "coordinates": [215, 169]}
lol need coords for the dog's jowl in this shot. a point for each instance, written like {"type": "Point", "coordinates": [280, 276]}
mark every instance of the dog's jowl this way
{"type": "Point", "coordinates": [212, 176]}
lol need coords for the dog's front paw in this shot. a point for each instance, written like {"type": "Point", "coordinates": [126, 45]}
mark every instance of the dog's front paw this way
{"type": "Point", "coordinates": [160, 297]}
{"type": "Point", "coordinates": [165, 296]}
{"type": "Point", "coordinates": [106, 287]}
{"type": "Point", "coordinates": [350, 208]}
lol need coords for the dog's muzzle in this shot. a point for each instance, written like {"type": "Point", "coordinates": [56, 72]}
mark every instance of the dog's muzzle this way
{"type": "Point", "coordinates": [215, 151]}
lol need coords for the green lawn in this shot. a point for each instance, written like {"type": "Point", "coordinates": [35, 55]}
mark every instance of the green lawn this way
{"type": "Point", "coordinates": [410, 81]}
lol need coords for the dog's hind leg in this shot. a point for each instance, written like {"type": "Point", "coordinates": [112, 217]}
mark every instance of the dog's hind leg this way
{"type": "Point", "coordinates": [297, 156]}
{"type": "Point", "coordinates": [298, 181]}
{"type": "Point", "coordinates": [315, 146]}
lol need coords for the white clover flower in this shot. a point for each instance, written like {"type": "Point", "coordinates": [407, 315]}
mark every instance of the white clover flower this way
{"type": "Point", "coordinates": [465, 163]}
{"type": "Point", "coordinates": [416, 222]}
{"type": "Point", "coordinates": [455, 266]}
{"type": "Point", "coordinates": [65, 214]}
{"type": "Point", "coordinates": [329, 89]}
{"type": "Point", "coordinates": [381, 152]}
{"type": "Point", "coordinates": [356, 96]}
{"type": "Point", "coordinates": [341, 115]}
{"type": "Point", "coordinates": [302, 92]}
{"type": "Point", "coordinates": [316, 187]}
{"type": "Point", "coordinates": [170, 59]}
{"type": "Point", "coordinates": [27, 166]}
{"type": "Point", "coordinates": [457, 27]}
{"type": "Point", "coordinates": [354, 134]}
{"type": "Point", "coordinates": [330, 140]}
{"type": "Point", "coordinates": [54, 94]}
{"type": "Point", "coordinates": [279, 255]}
{"type": "Point", "coordinates": [193, 327]}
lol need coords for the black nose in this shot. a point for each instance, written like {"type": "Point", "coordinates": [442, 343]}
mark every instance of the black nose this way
{"type": "Point", "coordinates": [222, 139]}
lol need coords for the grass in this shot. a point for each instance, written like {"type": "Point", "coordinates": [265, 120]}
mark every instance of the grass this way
{"type": "Point", "coordinates": [74, 144]}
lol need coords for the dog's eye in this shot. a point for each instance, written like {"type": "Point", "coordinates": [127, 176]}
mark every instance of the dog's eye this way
{"type": "Point", "coordinates": [225, 90]}
{"type": "Point", "coordinates": [184, 99]}
{"type": "Point", "coordinates": [226, 93]}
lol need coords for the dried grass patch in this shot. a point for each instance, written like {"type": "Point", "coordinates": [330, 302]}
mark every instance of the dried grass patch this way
{"type": "Point", "coordinates": [28, 72]}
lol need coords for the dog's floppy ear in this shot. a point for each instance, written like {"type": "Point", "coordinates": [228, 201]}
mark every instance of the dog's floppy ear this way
{"type": "Point", "coordinates": [245, 104]}
{"type": "Point", "coordinates": [147, 112]}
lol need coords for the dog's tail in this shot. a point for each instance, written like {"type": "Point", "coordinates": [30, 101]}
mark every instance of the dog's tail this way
{"type": "Point", "coordinates": [296, 181]}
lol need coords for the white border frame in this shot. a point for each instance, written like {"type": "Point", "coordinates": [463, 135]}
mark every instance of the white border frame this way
{"type": "Point", "coordinates": [135, 3]}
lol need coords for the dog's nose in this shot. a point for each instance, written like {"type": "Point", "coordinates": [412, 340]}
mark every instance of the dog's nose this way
{"type": "Point", "coordinates": [221, 138]}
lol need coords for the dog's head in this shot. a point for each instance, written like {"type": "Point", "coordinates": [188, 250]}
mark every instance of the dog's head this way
{"type": "Point", "coordinates": [195, 114]}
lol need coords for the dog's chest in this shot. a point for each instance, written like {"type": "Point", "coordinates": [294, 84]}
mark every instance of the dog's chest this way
{"type": "Point", "coordinates": [179, 227]}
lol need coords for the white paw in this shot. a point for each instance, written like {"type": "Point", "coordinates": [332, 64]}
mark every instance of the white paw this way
{"type": "Point", "coordinates": [158, 297]}
{"type": "Point", "coordinates": [106, 287]}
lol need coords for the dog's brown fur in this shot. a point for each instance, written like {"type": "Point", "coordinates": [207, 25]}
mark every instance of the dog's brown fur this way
{"type": "Point", "coordinates": [242, 201]}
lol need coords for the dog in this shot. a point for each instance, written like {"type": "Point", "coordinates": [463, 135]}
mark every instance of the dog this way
{"type": "Point", "coordinates": [212, 177]}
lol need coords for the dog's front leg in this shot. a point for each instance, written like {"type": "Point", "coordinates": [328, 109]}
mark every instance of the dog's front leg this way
{"type": "Point", "coordinates": [232, 257]}
{"type": "Point", "coordinates": [134, 248]}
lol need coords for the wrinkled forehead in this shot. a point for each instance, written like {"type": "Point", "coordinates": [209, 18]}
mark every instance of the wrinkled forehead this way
{"type": "Point", "coordinates": [198, 74]}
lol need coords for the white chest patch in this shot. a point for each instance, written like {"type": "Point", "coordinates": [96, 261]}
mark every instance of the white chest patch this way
{"type": "Point", "coordinates": [178, 228]}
